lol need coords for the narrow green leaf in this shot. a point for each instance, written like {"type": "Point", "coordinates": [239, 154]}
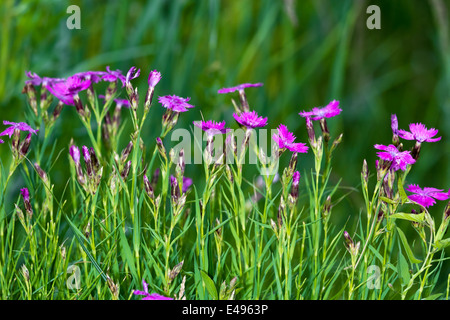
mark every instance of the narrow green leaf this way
{"type": "Point", "coordinates": [442, 244]}
{"type": "Point", "coordinates": [126, 252]}
{"type": "Point", "coordinates": [433, 296]}
{"type": "Point", "coordinates": [408, 250]}
{"type": "Point", "coordinates": [409, 216]}
{"type": "Point", "coordinates": [401, 190]}
{"type": "Point", "coordinates": [210, 286]}
{"type": "Point", "coordinates": [403, 269]}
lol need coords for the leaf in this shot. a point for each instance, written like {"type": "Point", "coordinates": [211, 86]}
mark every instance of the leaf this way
{"type": "Point", "coordinates": [408, 250]}
{"type": "Point", "coordinates": [409, 216]}
{"type": "Point", "coordinates": [387, 200]}
{"type": "Point", "coordinates": [403, 269]}
{"type": "Point", "coordinates": [401, 190]}
{"type": "Point", "coordinates": [433, 296]}
{"type": "Point", "coordinates": [442, 244]}
{"type": "Point", "coordinates": [126, 252]}
{"type": "Point", "coordinates": [210, 286]}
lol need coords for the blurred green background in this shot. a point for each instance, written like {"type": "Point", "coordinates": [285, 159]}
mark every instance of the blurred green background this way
{"type": "Point", "coordinates": [306, 53]}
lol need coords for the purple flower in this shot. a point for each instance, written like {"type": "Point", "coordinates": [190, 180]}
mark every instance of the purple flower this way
{"type": "Point", "coordinates": [22, 126]}
{"type": "Point", "coordinates": [75, 154]}
{"type": "Point", "coordinates": [419, 132]}
{"type": "Point", "coordinates": [86, 155]}
{"type": "Point", "coordinates": [1, 141]}
{"type": "Point", "coordinates": [132, 74]}
{"type": "Point", "coordinates": [212, 127]}
{"type": "Point", "coordinates": [331, 110]}
{"type": "Point", "coordinates": [250, 119]}
{"type": "Point", "coordinates": [285, 140]}
{"type": "Point", "coordinates": [175, 103]}
{"type": "Point", "coordinates": [66, 90]}
{"type": "Point", "coordinates": [35, 80]}
{"type": "Point", "coordinates": [92, 76]}
{"type": "Point", "coordinates": [296, 177]}
{"type": "Point", "coordinates": [240, 87]}
{"type": "Point", "coordinates": [425, 196]}
{"type": "Point", "coordinates": [25, 194]}
{"type": "Point", "coordinates": [394, 124]}
{"type": "Point", "coordinates": [399, 159]}
{"type": "Point", "coordinates": [153, 78]}
{"type": "Point", "coordinates": [187, 182]}
{"type": "Point", "coordinates": [113, 76]}
{"type": "Point", "coordinates": [149, 296]}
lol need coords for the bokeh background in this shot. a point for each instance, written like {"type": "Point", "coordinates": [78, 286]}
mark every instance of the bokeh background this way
{"type": "Point", "coordinates": [306, 53]}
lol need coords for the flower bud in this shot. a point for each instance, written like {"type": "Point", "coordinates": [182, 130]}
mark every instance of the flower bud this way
{"type": "Point", "coordinates": [126, 152]}
{"type": "Point", "coordinates": [126, 170]}
{"type": "Point", "coordinates": [31, 94]}
{"type": "Point", "coordinates": [161, 149]}
{"type": "Point", "coordinates": [25, 145]}
{"type": "Point", "coordinates": [26, 200]}
{"type": "Point", "coordinates": [148, 187]}
{"type": "Point", "coordinates": [325, 132]}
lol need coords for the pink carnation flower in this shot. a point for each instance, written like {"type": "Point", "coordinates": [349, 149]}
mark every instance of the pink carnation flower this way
{"type": "Point", "coordinates": [250, 119]}
{"type": "Point", "coordinates": [285, 140]}
{"type": "Point", "coordinates": [331, 110]}
{"type": "Point", "coordinates": [426, 196]}
{"type": "Point", "coordinates": [419, 132]}
{"type": "Point", "coordinates": [240, 87]}
{"type": "Point", "coordinates": [149, 296]}
{"type": "Point", "coordinates": [22, 126]}
{"type": "Point", "coordinates": [399, 159]}
{"type": "Point", "coordinates": [66, 90]}
{"type": "Point", "coordinates": [177, 104]}
{"type": "Point", "coordinates": [212, 127]}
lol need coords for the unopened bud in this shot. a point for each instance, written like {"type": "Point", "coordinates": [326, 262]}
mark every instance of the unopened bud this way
{"type": "Point", "coordinates": [148, 187]}
{"type": "Point", "coordinates": [126, 152]}
{"type": "Point", "coordinates": [126, 170]}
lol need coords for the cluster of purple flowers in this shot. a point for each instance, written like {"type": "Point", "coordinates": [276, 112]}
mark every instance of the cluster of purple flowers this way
{"type": "Point", "coordinates": [394, 158]}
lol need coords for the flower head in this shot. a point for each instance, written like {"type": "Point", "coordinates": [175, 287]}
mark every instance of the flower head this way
{"type": "Point", "coordinates": [149, 296]}
{"type": "Point", "coordinates": [75, 153]}
{"type": "Point", "coordinates": [285, 139]}
{"type": "Point", "coordinates": [153, 78]}
{"type": "Point", "coordinates": [331, 110]}
{"type": "Point", "coordinates": [67, 89]}
{"type": "Point", "coordinates": [426, 196]}
{"type": "Point", "coordinates": [36, 80]}
{"type": "Point", "coordinates": [132, 74]}
{"type": "Point", "coordinates": [419, 132]}
{"type": "Point", "coordinates": [187, 183]}
{"type": "Point", "coordinates": [175, 103]}
{"type": "Point", "coordinates": [250, 119]}
{"type": "Point", "coordinates": [22, 126]}
{"type": "Point", "coordinates": [212, 127]}
{"type": "Point", "coordinates": [113, 76]}
{"type": "Point", "coordinates": [25, 194]}
{"type": "Point", "coordinates": [394, 124]}
{"type": "Point", "coordinates": [399, 159]}
{"type": "Point", "coordinates": [239, 87]}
